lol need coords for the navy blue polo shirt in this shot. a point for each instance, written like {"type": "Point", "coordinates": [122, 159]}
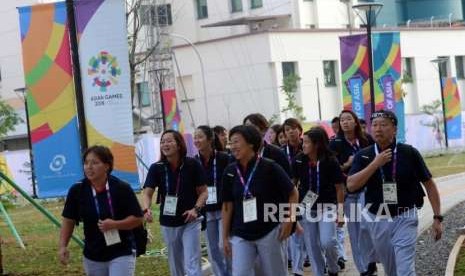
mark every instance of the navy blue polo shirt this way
{"type": "Point", "coordinates": [80, 206]}
{"type": "Point", "coordinates": [191, 176]}
{"type": "Point", "coordinates": [276, 154]}
{"type": "Point", "coordinates": [270, 184]}
{"type": "Point", "coordinates": [330, 175]}
{"type": "Point", "coordinates": [410, 171]}
{"type": "Point", "coordinates": [291, 152]}
{"type": "Point", "coordinates": [222, 161]}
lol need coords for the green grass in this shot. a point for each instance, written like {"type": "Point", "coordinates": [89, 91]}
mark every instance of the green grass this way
{"type": "Point", "coordinates": [41, 237]}
{"type": "Point", "coordinates": [460, 264]}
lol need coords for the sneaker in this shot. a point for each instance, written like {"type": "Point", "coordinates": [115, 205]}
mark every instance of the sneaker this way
{"type": "Point", "coordinates": [341, 263]}
{"type": "Point", "coordinates": [289, 264]}
{"type": "Point", "coordinates": [372, 269]}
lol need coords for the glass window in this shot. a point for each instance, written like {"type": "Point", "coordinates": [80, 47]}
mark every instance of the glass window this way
{"type": "Point", "coordinates": [444, 67]}
{"type": "Point", "coordinates": [329, 70]}
{"type": "Point", "coordinates": [288, 69]}
{"type": "Point", "coordinates": [148, 16]}
{"type": "Point", "coordinates": [256, 4]}
{"type": "Point", "coordinates": [143, 93]}
{"type": "Point", "coordinates": [202, 9]}
{"type": "Point", "coordinates": [459, 66]}
{"type": "Point", "coordinates": [236, 5]}
{"type": "Point", "coordinates": [408, 70]}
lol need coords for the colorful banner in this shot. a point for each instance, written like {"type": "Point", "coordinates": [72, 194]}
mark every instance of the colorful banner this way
{"type": "Point", "coordinates": [387, 73]}
{"type": "Point", "coordinates": [452, 108]}
{"type": "Point", "coordinates": [103, 56]}
{"type": "Point", "coordinates": [17, 166]}
{"type": "Point", "coordinates": [50, 98]}
{"type": "Point", "coordinates": [170, 106]}
{"type": "Point", "coordinates": [354, 66]}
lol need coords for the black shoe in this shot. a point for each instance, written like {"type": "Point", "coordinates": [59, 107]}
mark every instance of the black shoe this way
{"type": "Point", "coordinates": [297, 274]}
{"type": "Point", "coordinates": [332, 274]}
{"type": "Point", "coordinates": [372, 269]}
{"type": "Point", "coordinates": [289, 264]}
{"type": "Point", "coordinates": [307, 262]}
{"type": "Point", "coordinates": [341, 263]}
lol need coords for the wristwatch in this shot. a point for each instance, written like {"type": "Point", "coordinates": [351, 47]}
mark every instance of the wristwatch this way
{"type": "Point", "coordinates": [438, 217]}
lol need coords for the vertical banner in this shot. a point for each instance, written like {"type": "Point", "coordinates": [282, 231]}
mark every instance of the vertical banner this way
{"type": "Point", "coordinates": [452, 105]}
{"type": "Point", "coordinates": [103, 56]}
{"type": "Point", "coordinates": [387, 73]}
{"type": "Point", "coordinates": [354, 66]}
{"type": "Point", "coordinates": [50, 98]}
{"type": "Point", "coordinates": [170, 106]}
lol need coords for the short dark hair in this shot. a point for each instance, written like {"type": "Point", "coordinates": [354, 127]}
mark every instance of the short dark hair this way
{"type": "Point", "coordinates": [179, 141]}
{"type": "Point", "coordinates": [335, 120]}
{"type": "Point", "coordinates": [219, 129]}
{"type": "Point", "coordinates": [294, 123]}
{"type": "Point", "coordinates": [250, 134]}
{"type": "Point", "coordinates": [103, 153]}
{"type": "Point", "coordinates": [385, 114]}
{"type": "Point", "coordinates": [362, 121]}
{"type": "Point", "coordinates": [212, 137]}
{"type": "Point", "coordinates": [257, 120]}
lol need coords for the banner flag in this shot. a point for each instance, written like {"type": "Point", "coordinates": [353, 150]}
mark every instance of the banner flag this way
{"type": "Point", "coordinates": [170, 107]}
{"type": "Point", "coordinates": [452, 106]}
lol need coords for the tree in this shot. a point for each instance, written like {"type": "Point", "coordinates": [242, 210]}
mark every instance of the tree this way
{"type": "Point", "coordinates": [8, 118]}
{"type": "Point", "coordinates": [289, 89]}
{"type": "Point", "coordinates": [432, 110]}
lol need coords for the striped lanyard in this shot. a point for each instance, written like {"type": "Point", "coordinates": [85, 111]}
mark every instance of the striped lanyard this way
{"type": "Point", "coordinates": [214, 167]}
{"type": "Point", "coordinates": [355, 146]}
{"type": "Point", "coordinates": [394, 164]}
{"type": "Point", "coordinates": [97, 205]}
{"type": "Point", "coordinates": [288, 153]}
{"type": "Point", "coordinates": [246, 185]}
{"type": "Point", "coordinates": [310, 176]}
{"type": "Point", "coordinates": [178, 180]}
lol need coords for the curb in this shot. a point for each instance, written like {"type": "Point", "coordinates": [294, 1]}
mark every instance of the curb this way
{"type": "Point", "coordinates": [453, 256]}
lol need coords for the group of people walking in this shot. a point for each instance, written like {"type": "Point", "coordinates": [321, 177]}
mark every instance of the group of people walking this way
{"type": "Point", "coordinates": [274, 197]}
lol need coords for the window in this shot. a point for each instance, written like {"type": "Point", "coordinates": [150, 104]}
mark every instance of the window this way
{"type": "Point", "coordinates": [458, 65]}
{"type": "Point", "coordinates": [202, 9]}
{"type": "Point", "coordinates": [444, 67]}
{"type": "Point", "coordinates": [288, 69]}
{"type": "Point", "coordinates": [162, 17]}
{"type": "Point", "coordinates": [329, 70]}
{"type": "Point", "coordinates": [407, 73]}
{"type": "Point", "coordinates": [236, 5]}
{"type": "Point", "coordinates": [254, 4]}
{"type": "Point", "coordinates": [143, 93]}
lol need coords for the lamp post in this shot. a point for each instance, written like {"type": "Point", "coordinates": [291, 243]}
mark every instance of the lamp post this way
{"type": "Point", "coordinates": [160, 77]}
{"type": "Point", "coordinates": [202, 70]}
{"type": "Point", "coordinates": [439, 62]}
{"type": "Point", "coordinates": [367, 12]}
{"type": "Point", "coordinates": [23, 92]}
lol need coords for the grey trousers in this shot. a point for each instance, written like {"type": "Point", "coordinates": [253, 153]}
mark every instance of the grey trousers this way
{"type": "Point", "coordinates": [183, 244]}
{"type": "Point", "coordinates": [220, 265]}
{"type": "Point", "coordinates": [268, 251]}
{"type": "Point", "coordinates": [121, 266]}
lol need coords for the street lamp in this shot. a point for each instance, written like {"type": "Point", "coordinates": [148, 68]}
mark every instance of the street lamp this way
{"type": "Point", "coordinates": [23, 92]}
{"type": "Point", "coordinates": [160, 75]}
{"type": "Point", "coordinates": [367, 12]}
{"type": "Point", "coordinates": [202, 70]}
{"type": "Point", "coordinates": [438, 62]}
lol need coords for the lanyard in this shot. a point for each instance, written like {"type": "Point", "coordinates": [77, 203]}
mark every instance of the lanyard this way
{"type": "Point", "coordinates": [355, 146]}
{"type": "Point", "coordinates": [178, 180]}
{"type": "Point", "coordinates": [97, 205]}
{"type": "Point", "coordinates": [310, 174]}
{"type": "Point", "coordinates": [262, 151]}
{"type": "Point", "coordinates": [288, 153]}
{"type": "Point", "coordinates": [246, 185]}
{"type": "Point", "coordinates": [394, 164]}
{"type": "Point", "coordinates": [214, 167]}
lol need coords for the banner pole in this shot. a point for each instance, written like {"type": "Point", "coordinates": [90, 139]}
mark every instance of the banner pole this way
{"type": "Point", "coordinates": [77, 75]}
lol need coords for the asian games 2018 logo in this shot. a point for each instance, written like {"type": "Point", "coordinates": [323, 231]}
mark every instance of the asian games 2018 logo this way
{"type": "Point", "coordinates": [104, 70]}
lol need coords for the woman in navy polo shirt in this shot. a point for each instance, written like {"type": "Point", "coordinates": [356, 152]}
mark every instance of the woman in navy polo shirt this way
{"type": "Point", "coordinates": [349, 140]}
{"type": "Point", "coordinates": [213, 162]}
{"type": "Point", "coordinates": [320, 187]}
{"type": "Point", "coordinates": [182, 191]}
{"type": "Point", "coordinates": [251, 187]}
{"type": "Point", "coordinates": [109, 210]}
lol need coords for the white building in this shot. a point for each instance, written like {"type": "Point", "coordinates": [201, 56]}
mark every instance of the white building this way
{"type": "Point", "coordinates": [248, 45]}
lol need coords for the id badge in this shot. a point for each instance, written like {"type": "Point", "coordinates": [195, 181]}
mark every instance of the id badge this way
{"type": "Point", "coordinates": [390, 193]}
{"type": "Point", "coordinates": [250, 209]}
{"type": "Point", "coordinates": [309, 199]}
{"type": "Point", "coordinates": [212, 195]}
{"type": "Point", "coordinates": [170, 205]}
{"type": "Point", "coordinates": [111, 237]}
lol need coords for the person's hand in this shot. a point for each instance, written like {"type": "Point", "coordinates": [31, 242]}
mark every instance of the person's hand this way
{"type": "Point", "coordinates": [349, 161]}
{"type": "Point", "coordinates": [437, 230]}
{"type": "Point", "coordinates": [227, 247]}
{"type": "Point", "coordinates": [63, 255]}
{"type": "Point", "coordinates": [190, 215]}
{"type": "Point", "coordinates": [299, 230]}
{"type": "Point", "coordinates": [107, 224]}
{"type": "Point", "coordinates": [383, 158]}
{"type": "Point", "coordinates": [285, 231]}
{"type": "Point", "coordinates": [148, 216]}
